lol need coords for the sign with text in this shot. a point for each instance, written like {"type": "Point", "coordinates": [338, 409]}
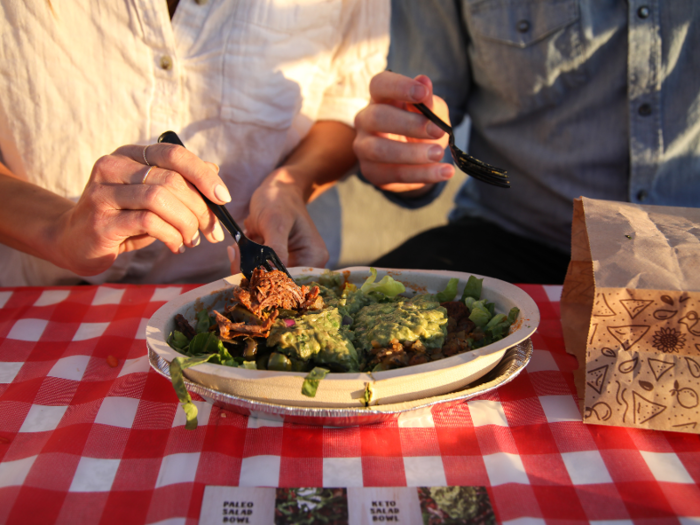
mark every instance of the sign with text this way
{"type": "Point", "coordinates": [346, 506]}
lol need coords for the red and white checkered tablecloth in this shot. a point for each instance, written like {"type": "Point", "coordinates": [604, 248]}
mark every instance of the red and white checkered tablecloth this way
{"type": "Point", "coordinates": [84, 442]}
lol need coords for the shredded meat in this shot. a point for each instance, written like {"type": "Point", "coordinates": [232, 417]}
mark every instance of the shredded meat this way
{"type": "Point", "coordinates": [268, 291]}
{"type": "Point", "coordinates": [184, 326]}
{"type": "Point", "coordinates": [228, 329]}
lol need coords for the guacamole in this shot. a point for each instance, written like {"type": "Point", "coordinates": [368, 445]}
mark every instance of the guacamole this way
{"type": "Point", "coordinates": [405, 320]}
{"type": "Point", "coordinates": [319, 337]}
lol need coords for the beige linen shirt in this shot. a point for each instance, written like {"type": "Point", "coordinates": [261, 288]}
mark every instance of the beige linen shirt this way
{"type": "Point", "coordinates": [241, 83]}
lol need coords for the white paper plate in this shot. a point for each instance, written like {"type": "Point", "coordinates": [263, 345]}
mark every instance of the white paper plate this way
{"type": "Point", "coordinates": [514, 361]}
{"type": "Point", "coordinates": [347, 390]}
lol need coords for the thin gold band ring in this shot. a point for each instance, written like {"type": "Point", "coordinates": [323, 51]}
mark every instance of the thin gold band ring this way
{"type": "Point", "coordinates": [143, 181]}
{"type": "Point", "coordinates": [144, 156]}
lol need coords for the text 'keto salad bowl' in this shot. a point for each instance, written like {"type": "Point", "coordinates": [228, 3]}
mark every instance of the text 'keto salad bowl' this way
{"type": "Point", "coordinates": [350, 338]}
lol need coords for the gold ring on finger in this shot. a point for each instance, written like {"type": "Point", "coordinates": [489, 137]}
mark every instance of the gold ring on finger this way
{"type": "Point", "coordinates": [144, 155]}
{"type": "Point", "coordinates": [143, 181]}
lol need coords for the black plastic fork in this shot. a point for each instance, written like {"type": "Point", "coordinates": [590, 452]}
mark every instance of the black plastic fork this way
{"type": "Point", "coordinates": [468, 164]}
{"type": "Point", "coordinates": [253, 255]}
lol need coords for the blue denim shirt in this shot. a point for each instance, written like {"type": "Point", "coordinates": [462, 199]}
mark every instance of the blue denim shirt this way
{"type": "Point", "coordinates": [596, 98]}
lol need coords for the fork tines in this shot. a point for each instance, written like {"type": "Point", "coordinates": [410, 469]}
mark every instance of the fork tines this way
{"type": "Point", "coordinates": [480, 170]}
{"type": "Point", "coordinates": [269, 260]}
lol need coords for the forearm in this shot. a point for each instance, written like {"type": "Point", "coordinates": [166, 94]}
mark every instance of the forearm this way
{"type": "Point", "coordinates": [30, 217]}
{"type": "Point", "coordinates": [320, 159]}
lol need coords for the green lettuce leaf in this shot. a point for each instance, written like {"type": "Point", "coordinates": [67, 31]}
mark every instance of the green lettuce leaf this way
{"type": "Point", "coordinates": [203, 322]}
{"type": "Point", "coordinates": [472, 288]}
{"type": "Point", "coordinates": [207, 343]}
{"type": "Point", "coordinates": [513, 314]}
{"type": "Point", "coordinates": [387, 286]}
{"type": "Point", "coordinates": [177, 365]}
{"type": "Point", "coordinates": [450, 291]}
{"type": "Point", "coordinates": [178, 341]}
{"type": "Point", "coordinates": [312, 380]}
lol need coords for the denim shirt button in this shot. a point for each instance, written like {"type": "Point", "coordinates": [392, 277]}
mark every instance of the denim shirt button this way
{"type": "Point", "coordinates": [644, 110]}
{"type": "Point", "coordinates": [643, 12]}
{"type": "Point", "coordinates": [642, 195]}
{"type": "Point", "coordinates": [523, 26]}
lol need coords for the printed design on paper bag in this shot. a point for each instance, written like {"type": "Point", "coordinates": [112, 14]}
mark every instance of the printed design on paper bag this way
{"type": "Point", "coordinates": [643, 360]}
{"type": "Point", "coordinates": [609, 352]}
{"type": "Point", "coordinates": [601, 308]}
{"type": "Point", "coordinates": [686, 426]}
{"type": "Point", "coordinates": [691, 321]}
{"type": "Point", "coordinates": [627, 366]}
{"type": "Point", "coordinates": [663, 314]}
{"type": "Point", "coordinates": [646, 385]}
{"type": "Point", "coordinates": [686, 396]}
{"type": "Point", "coordinates": [597, 378]}
{"type": "Point", "coordinates": [693, 366]}
{"type": "Point", "coordinates": [668, 340]}
{"type": "Point", "coordinates": [628, 336]}
{"type": "Point", "coordinates": [620, 399]}
{"type": "Point", "coordinates": [645, 409]}
{"type": "Point", "coordinates": [600, 410]}
{"type": "Point", "coordinates": [594, 329]}
{"type": "Point", "coordinates": [635, 307]}
{"type": "Point", "coordinates": [659, 368]}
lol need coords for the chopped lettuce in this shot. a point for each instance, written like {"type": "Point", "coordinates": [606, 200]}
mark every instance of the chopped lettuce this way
{"type": "Point", "coordinates": [207, 343]}
{"type": "Point", "coordinates": [177, 365]}
{"type": "Point", "coordinates": [203, 348]}
{"type": "Point", "coordinates": [480, 314]}
{"type": "Point", "coordinates": [368, 395]}
{"type": "Point", "coordinates": [179, 341]}
{"type": "Point", "coordinates": [203, 322]}
{"type": "Point", "coordinates": [472, 288]}
{"type": "Point", "coordinates": [450, 291]}
{"type": "Point", "coordinates": [312, 380]}
{"type": "Point", "coordinates": [387, 286]}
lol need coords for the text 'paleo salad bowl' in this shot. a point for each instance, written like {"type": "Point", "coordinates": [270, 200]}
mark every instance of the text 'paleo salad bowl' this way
{"type": "Point", "coordinates": [340, 339]}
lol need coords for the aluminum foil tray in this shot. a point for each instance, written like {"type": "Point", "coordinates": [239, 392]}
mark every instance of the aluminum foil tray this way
{"type": "Point", "coordinates": [514, 361]}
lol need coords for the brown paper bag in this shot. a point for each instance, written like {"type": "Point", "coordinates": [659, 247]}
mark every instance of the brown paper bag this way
{"type": "Point", "coordinates": [630, 312]}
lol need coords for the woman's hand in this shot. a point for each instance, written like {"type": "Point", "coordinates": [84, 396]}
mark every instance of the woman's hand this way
{"type": "Point", "coordinates": [398, 148]}
{"type": "Point", "coordinates": [127, 205]}
{"type": "Point", "coordinates": [278, 218]}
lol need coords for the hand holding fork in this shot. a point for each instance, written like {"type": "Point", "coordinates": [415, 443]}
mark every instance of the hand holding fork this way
{"type": "Point", "coordinates": [399, 150]}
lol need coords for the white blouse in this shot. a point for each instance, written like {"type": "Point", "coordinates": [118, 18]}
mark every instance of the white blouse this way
{"type": "Point", "coordinates": [241, 82]}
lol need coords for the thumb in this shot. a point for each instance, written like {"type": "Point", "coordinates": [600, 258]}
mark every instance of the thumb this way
{"type": "Point", "coordinates": [274, 232]}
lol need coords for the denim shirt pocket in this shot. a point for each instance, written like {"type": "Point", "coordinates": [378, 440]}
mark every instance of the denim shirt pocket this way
{"type": "Point", "coordinates": [271, 55]}
{"type": "Point", "coordinates": [529, 52]}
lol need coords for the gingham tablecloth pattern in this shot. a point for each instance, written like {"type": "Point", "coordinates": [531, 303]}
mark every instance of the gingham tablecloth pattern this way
{"type": "Point", "coordinates": [83, 442]}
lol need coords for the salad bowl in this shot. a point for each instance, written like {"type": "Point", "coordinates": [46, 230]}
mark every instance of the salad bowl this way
{"type": "Point", "coordinates": [347, 390]}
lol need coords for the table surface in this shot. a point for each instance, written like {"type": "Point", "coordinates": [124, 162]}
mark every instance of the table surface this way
{"type": "Point", "coordinates": [84, 442]}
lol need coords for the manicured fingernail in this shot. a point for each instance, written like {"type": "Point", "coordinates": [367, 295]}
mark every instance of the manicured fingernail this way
{"type": "Point", "coordinates": [419, 92]}
{"type": "Point", "coordinates": [231, 254]}
{"type": "Point", "coordinates": [222, 193]}
{"type": "Point", "coordinates": [434, 131]}
{"type": "Point", "coordinates": [435, 153]}
{"type": "Point", "coordinates": [181, 249]}
{"type": "Point", "coordinates": [446, 172]}
{"type": "Point", "coordinates": [196, 239]}
{"type": "Point", "coordinates": [217, 232]}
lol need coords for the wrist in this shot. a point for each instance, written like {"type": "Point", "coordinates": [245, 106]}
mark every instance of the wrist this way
{"type": "Point", "coordinates": [291, 179]}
